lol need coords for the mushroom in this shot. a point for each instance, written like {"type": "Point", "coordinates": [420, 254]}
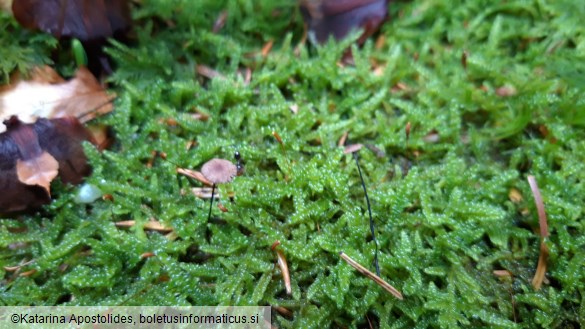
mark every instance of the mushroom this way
{"type": "Point", "coordinates": [218, 171]}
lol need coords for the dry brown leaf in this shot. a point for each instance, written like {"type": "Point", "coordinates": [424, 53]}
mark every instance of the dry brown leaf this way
{"type": "Point", "coordinates": [102, 136]}
{"type": "Point", "coordinates": [46, 95]}
{"type": "Point", "coordinates": [34, 154]}
{"type": "Point", "coordinates": [6, 5]}
{"type": "Point", "coordinates": [39, 170]}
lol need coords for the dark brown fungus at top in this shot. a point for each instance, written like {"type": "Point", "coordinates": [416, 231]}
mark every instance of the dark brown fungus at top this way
{"type": "Point", "coordinates": [92, 22]}
{"type": "Point", "coordinates": [338, 18]}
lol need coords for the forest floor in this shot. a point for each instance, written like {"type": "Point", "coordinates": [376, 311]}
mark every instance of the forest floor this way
{"type": "Point", "coordinates": [456, 104]}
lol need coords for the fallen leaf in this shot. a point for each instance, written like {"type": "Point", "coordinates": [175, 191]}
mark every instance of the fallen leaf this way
{"type": "Point", "coordinates": [39, 171]}
{"type": "Point", "coordinates": [46, 95]}
{"type": "Point", "coordinates": [6, 5]}
{"type": "Point", "coordinates": [102, 135]}
{"type": "Point", "coordinates": [31, 155]}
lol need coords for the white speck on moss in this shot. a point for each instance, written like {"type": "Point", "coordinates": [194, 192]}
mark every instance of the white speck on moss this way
{"type": "Point", "coordinates": [88, 193]}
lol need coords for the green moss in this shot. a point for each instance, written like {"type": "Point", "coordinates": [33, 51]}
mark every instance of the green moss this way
{"type": "Point", "coordinates": [443, 215]}
{"type": "Point", "coordinates": [21, 50]}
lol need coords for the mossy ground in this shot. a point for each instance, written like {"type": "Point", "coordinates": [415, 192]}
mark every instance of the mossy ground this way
{"type": "Point", "coordinates": [444, 218]}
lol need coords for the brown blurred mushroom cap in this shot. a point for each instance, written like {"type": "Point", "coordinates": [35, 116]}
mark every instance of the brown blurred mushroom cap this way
{"type": "Point", "coordinates": [83, 19]}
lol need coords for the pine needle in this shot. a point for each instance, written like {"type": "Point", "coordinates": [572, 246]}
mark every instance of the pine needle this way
{"type": "Point", "coordinates": [542, 258]}
{"type": "Point", "coordinates": [371, 276]}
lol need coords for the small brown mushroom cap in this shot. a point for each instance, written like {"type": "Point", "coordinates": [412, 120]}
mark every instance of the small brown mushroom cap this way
{"type": "Point", "coordinates": [219, 171]}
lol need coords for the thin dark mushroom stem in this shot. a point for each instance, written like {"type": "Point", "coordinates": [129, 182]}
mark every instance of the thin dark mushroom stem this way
{"type": "Point", "coordinates": [211, 202]}
{"type": "Point", "coordinates": [372, 225]}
